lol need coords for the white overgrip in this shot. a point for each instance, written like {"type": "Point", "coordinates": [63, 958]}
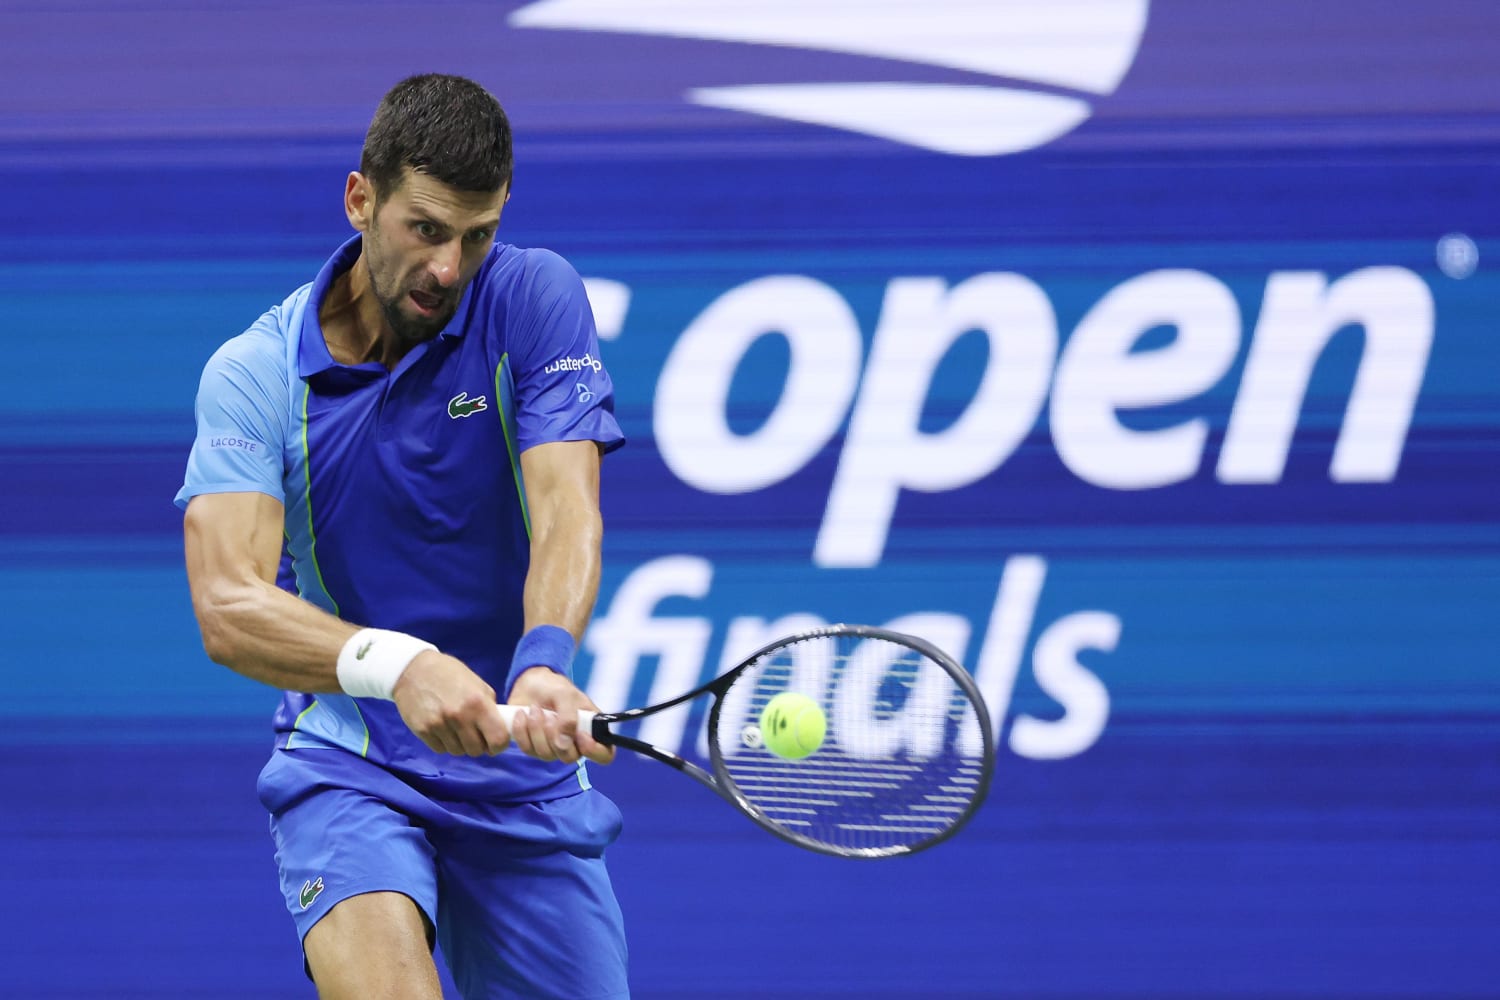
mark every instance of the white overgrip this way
{"type": "Point", "coordinates": [508, 714]}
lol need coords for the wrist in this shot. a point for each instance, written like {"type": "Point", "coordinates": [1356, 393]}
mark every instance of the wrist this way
{"type": "Point", "coordinates": [373, 660]}
{"type": "Point", "coordinates": [543, 646]}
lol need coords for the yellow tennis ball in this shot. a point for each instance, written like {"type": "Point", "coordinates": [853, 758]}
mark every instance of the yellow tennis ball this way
{"type": "Point", "coordinates": [792, 725]}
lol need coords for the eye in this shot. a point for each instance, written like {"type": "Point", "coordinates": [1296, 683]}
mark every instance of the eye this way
{"type": "Point", "coordinates": [479, 235]}
{"type": "Point", "coordinates": [426, 230]}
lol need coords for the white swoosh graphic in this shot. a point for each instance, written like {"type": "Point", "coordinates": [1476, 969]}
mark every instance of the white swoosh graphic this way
{"type": "Point", "coordinates": [1084, 45]}
{"type": "Point", "coordinates": [958, 120]}
{"type": "Point", "coordinates": [1081, 45]}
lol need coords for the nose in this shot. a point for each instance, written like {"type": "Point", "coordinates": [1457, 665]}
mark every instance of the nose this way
{"type": "Point", "coordinates": [445, 263]}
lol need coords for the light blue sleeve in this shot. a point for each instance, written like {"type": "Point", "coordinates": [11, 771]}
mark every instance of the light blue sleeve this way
{"type": "Point", "coordinates": [242, 418]}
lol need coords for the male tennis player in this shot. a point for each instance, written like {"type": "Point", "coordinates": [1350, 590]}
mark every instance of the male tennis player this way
{"type": "Point", "coordinates": [422, 425]}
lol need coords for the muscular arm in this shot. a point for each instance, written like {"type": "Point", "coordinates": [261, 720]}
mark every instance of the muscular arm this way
{"type": "Point", "coordinates": [233, 544]}
{"type": "Point", "coordinates": [562, 491]}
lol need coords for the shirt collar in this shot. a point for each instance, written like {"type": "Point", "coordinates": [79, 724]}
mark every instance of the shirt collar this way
{"type": "Point", "coordinates": [312, 348]}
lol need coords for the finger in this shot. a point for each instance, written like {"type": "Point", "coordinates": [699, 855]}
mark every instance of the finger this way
{"type": "Point", "coordinates": [432, 739]}
{"type": "Point", "coordinates": [561, 727]}
{"type": "Point", "coordinates": [566, 747]}
{"type": "Point", "coordinates": [599, 753]}
{"type": "Point", "coordinates": [466, 739]}
{"type": "Point", "coordinates": [520, 733]}
{"type": "Point", "coordinates": [494, 730]}
{"type": "Point", "coordinates": [536, 728]}
{"type": "Point", "coordinates": [441, 739]}
{"type": "Point", "coordinates": [558, 738]}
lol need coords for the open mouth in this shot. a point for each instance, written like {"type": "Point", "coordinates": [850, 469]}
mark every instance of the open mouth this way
{"type": "Point", "coordinates": [427, 303]}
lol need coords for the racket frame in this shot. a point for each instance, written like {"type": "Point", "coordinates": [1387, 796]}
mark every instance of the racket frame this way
{"type": "Point", "coordinates": [722, 782]}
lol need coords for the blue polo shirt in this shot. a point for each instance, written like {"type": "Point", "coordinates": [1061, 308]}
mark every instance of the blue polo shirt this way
{"type": "Point", "coordinates": [405, 504]}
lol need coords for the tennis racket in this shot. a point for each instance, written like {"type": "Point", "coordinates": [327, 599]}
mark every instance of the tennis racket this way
{"type": "Point", "coordinates": [905, 760]}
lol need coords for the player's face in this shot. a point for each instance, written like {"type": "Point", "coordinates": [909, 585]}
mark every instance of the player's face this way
{"type": "Point", "coordinates": [423, 244]}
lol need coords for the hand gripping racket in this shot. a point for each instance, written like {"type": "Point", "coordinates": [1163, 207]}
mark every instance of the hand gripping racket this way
{"type": "Point", "coordinates": [905, 761]}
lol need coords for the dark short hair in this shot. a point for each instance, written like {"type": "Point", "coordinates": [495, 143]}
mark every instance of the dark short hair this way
{"type": "Point", "coordinates": [447, 127]}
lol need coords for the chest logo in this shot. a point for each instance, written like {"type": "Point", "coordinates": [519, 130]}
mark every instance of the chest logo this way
{"type": "Point", "coordinates": [462, 406]}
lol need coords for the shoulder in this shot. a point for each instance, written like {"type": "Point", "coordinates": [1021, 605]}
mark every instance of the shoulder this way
{"type": "Point", "coordinates": [262, 344]}
{"type": "Point", "coordinates": [260, 358]}
{"type": "Point", "coordinates": [547, 265]}
{"type": "Point", "coordinates": [532, 274]}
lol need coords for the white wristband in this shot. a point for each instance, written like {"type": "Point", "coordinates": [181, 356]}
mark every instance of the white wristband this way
{"type": "Point", "coordinates": [373, 660]}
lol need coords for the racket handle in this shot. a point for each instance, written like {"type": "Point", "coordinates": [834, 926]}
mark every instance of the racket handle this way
{"type": "Point", "coordinates": [509, 713]}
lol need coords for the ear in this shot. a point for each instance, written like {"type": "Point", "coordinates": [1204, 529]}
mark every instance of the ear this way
{"type": "Point", "coordinates": [359, 201]}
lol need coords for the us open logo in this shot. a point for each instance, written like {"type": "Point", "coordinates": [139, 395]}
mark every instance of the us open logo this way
{"type": "Point", "coordinates": [1043, 62]}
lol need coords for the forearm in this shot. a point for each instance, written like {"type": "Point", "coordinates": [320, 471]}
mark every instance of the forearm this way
{"type": "Point", "coordinates": [561, 586]}
{"type": "Point", "coordinates": [563, 581]}
{"type": "Point", "coordinates": [268, 635]}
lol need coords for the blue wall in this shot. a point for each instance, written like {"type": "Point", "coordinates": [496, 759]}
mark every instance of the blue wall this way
{"type": "Point", "coordinates": [1250, 719]}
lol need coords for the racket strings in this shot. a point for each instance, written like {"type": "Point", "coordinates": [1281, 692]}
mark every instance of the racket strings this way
{"type": "Point", "coordinates": [902, 759]}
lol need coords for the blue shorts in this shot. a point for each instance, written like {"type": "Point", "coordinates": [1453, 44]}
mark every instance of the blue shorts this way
{"type": "Point", "coordinates": [518, 892]}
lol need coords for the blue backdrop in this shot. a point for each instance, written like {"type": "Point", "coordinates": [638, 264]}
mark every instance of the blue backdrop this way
{"type": "Point", "coordinates": [1143, 355]}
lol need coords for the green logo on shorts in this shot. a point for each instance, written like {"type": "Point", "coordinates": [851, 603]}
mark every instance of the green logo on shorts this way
{"type": "Point", "coordinates": [310, 890]}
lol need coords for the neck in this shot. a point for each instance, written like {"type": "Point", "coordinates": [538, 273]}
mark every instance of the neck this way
{"type": "Point", "coordinates": [354, 325]}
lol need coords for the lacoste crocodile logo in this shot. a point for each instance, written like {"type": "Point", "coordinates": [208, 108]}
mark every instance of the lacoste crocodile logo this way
{"type": "Point", "coordinates": [310, 890]}
{"type": "Point", "coordinates": [462, 406]}
{"type": "Point", "coordinates": [359, 654]}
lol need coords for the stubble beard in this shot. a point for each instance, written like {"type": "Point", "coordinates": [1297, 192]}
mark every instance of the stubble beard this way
{"type": "Point", "coordinates": [409, 330]}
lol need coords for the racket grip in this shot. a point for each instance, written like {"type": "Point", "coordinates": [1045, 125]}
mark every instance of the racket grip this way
{"type": "Point", "coordinates": [509, 712]}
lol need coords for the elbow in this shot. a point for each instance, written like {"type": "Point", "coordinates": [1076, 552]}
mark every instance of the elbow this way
{"type": "Point", "coordinates": [217, 643]}
{"type": "Point", "coordinates": [218, 610]}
